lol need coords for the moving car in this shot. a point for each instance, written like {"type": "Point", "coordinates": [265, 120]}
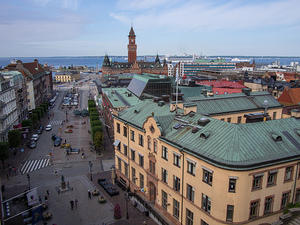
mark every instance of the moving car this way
{"type": "Point", "coordinates": [48, 127]}
{"type": "Point", "coordinates": [57, 141]}
{"type": "Point", "coordinates": [31, 144]}
{"type": "Point", "coordinates": [110, 188]}
{"type": "Point", "coordinates": [35, 137]}
{"type": "Point", "coordinates": [40, 130]}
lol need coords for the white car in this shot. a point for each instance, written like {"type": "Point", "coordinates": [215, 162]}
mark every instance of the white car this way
{"type": "Point", "coordinates": [48, 127]}
{"type": "Point", "coordinates": [35, 137]}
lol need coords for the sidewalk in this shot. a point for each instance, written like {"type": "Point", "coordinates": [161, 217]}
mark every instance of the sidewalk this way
{"type": "Point", "coordinates": [135, 216]}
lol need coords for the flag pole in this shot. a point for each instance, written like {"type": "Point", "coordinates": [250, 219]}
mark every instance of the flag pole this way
{"type": "Point", "coordinates": [177, 78]}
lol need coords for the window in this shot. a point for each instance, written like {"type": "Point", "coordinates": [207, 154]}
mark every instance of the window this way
{"type": "Point", "coordinates": [254, 209]}
{"type": "Point", "coordinates": [177, 160]}
{"type": "Point", "coordinates": [132, 155]}
{"type": "Point", "coordinates": [118, 128]}
{"type": "Point", "coordinates": [190, 192]}
{"type": "Point", "coordinates": [257, 181]}
{"type": "Point", "coordinates": [297, 196]}
{"type": "Point", "coordinates": [239, 120]}
{"type": "Point", "coordinates": [164, 153]}
{"type": "Point", "coordinates": [229, 120]}
{"type": "Point", "coordinates": [164, 175]}
{"type": "Point", "coordinates": [285, 199]}
{"type": "Point", "coordinates": [268, 205]}
{"type": "Point", "coordinates": [119, 164]}
{"type": "Point", "coordinates": [176, 209]}
{"type": "Point", "coordinates": [222, 119]}
{"type": "Point", "coordinates": [141, 160]}
{"type": "Point", "coordinates": [207, 177]}
{"type": "Point", "coordinates": [189, 217]}
{"type": "Point", "coordinates": [274, 115]}
{"type": "Point", "coordinates": [164, 199]}
{"type": "Point", "coordinates": [149, 142]}
{"type": "Point", "coordinates": [232, 183]}
{"type": "Point", "coordinates": [206, 203]}
{"type": "Point", "coordinates": [141, 180]}
{"type": "Point", "coordinates": [133, 175]}
{"type": "Point", "coordinates": [191, 167]}
{"type": "Point", "coordinates": [152, 166]}
{"type": "Point", "coordinates": [124, 131]}
{"type": "Point", "coordinates": [154, 145]}
{"type": "Point", "coordinates": [203, 222]}
{"type": "Point", "coordinates": [288, 173]}
{"type": "Point", "coordinates": [125, 149]}
{"type": "Point", "coordinates": [119, 147]}
{"type": "Point", "coordinates": [126, 169]}
{"type": "Point", "coordinates": [132, 135]}
{"type": "Point", "coordinates": [271, 178]}
{"type": "Point", "coordinates": [229, 213]}
{"type": "Point", "coordinates": [141, 140]}
{"type": "Point", "coordinates": [176, 183]}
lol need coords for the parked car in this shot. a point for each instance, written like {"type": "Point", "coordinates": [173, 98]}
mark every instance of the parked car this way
{"type": "Point", "coordinates": [35, 137]}
{"type": "Point", "coordinates": [40, 130]}
{"type": "Point", "coordinates": [48, 127]}
{"type": "Point", "coordinates": [73, 150]}
{"type": "Point", "coordinates": [110, 188]}
{"type": "Point", "coordinates": [31, 144]}
{"type": "Point", "coordinates": [57, 141]}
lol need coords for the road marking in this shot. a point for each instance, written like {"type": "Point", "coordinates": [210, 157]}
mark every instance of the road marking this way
{"type": "Point", "coordinates": [32, 165]}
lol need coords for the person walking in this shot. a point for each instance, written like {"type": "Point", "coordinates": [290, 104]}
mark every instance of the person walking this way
{"type": "Point", "coordinates": [89, 194]}
{"type": "Point", "coordinates": [76, 203]}
{"type": "Point", "coordinates": [72, 204]}
{"type": "Point", "coordinates": [47, 192]}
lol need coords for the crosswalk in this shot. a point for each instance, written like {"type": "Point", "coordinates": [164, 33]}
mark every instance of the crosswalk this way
{"type": "Point", "coordinates": [55, 122]}
{"type": "Point", "coordinates": [32, 165]}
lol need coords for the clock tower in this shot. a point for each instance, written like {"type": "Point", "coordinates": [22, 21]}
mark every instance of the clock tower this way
{"type": "Point", "coordinates": [131, 47]}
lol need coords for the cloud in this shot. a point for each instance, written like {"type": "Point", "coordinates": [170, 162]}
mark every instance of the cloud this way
{"type": "Point", "coordinates": [190, 15]}
{"type": "Point", "coordinates": [141, 4]}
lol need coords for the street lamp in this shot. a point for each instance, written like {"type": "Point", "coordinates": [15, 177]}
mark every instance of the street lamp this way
{"type": "Point", "coordinates": [90, 168]}
{"type": "Point", "coordinates": [28, 178]}
{"type": "Point", "coordinates": [126, 200]}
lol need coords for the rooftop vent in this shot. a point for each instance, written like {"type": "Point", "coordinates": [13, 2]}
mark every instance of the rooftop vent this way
{"type": "Point", "coordinates": [191, 114]}
{"type": "Point", "coordinates": [177, 126]}
{"type": "Point", "coordinates": [297, 131]}
{"type": "Point", "coordinates": [276, 137]}
{"type": "Point", "coordinates": [156, 99]}
{"type": "Point", "coordinates": [129, 94]}
{"type": "Point", "coordinates": [203, 121]}
{"type": "Point", "coordinates": [136, 111]}
{"type": "Point", "coordinates": [205, 134]}
{"type": "Point", "coordinates": [246, 91]}
{"type": "Point", "coordinates": [195, 130]}
{"type": "Point", "coordinates": [160, 103]}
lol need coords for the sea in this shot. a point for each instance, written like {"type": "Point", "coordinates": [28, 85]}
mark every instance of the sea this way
{"type": "Point", "coordinates": [96, 61]}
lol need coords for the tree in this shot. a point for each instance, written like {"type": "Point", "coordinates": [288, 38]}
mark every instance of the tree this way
{"type": "Point", "coordinates": [98, 137]}
{"type": "Point", "coordinates": [92, 118]}
{"type": "Point", "coordinates": [94, 114]}
{"type": "Point", "coordinates": [26, 123]}
{"type": "Point", "coordinates": [91, 103]}
{"type": "Point", "coordinates": [96, 129]}
{"type": "Point", "coordinates": [96, 123]}
{"type": "Point", "coordinates": [14, 138]}
{"type": "Point", "coordinates": [34, 119]}
{"type": "Point", "coordinates": [3, 152]}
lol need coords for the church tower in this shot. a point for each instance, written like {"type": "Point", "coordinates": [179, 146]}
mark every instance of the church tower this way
{"type": "Point", "coordinates": [131, 47]}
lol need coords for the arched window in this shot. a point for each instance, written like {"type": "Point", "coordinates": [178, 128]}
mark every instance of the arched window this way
{"type": "Point", "coordinates": [149, 142]}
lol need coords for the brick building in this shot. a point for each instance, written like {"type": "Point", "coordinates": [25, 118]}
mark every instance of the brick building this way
{"type": "Point", "coordinates": [133, 66]}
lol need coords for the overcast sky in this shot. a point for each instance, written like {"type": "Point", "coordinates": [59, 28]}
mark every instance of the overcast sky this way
{"type": "Point", "coordinates": [96, 27]}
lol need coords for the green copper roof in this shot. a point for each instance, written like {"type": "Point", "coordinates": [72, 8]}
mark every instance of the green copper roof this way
{"type": "Point", "coordinates": [229, 146]}
{"type": "Point", "coordinates": [232, 103]}
{"type": "Point", "coordinates": [120, 97]}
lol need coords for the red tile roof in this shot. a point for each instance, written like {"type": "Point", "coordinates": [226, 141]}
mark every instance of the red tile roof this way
{"type": "Point", "coordinates": [290, 96]}
{"type": "Point", "coordinates": [222, 91]}
{"type": "Point", "coordinates": [34, 67]}
{"type": "Point", "coordinates": [222, 84]}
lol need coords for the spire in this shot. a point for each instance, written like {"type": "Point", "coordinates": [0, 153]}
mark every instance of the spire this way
{"type": "Point", "coordinates": [106, 61]}
{"type": "Point", "coordinates": [157, 61]}
{"type": "Point", "coordinates": [131, 32]}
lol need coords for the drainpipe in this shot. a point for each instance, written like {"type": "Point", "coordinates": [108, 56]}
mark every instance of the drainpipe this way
{"type": "Point", "coordinates": [295, 182]}
{"type": "Point", "coordinates": [182, 175]}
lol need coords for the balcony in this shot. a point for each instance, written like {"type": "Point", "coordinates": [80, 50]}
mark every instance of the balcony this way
{"type": "Point", "coordinates": [3, 117]}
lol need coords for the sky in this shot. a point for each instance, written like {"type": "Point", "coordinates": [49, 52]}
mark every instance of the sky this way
{"type": "Point", "coordinates": [165, 27]}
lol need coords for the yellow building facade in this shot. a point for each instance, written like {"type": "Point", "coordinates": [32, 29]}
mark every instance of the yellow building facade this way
{"type": "Point", "coordinates": [68, 77]}
{"type": "Point", "coordinates": [195, 187]}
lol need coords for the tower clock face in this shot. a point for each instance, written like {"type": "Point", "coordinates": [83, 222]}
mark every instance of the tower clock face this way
{"type": "Point", "coordinates": [131, 40]}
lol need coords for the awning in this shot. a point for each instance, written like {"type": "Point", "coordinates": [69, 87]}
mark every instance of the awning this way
{"type": "Point", "coordinates": [116, 143]}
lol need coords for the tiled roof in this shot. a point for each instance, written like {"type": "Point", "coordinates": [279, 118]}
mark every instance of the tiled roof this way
{"type": "Point", "coordinates": [290, 96]}
{"type": "Point", "coordinates": [34, 67]}
{"type": "Point", "coordinates": [222, 84]}
{"type": "Point", "coordinates": [193, 91]}
{"type": "Point", "coordinates": [226, 145]}
{"type": "Point", "coordinates": [222, 91]}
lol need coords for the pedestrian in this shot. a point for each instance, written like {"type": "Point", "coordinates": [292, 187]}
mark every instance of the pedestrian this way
{"type": "Point", "coordinates": [90, 195]}
{"type": "Point", "coordinates": [72, 204]}
{"type": "Point", "coordinates": [46, 199]}
{"type": "Point", "coordinates": [7, 176]}
{"type": "Point", "coordinates": [47, 192]}
{"type": "Point", "coordinates": [76, 203]}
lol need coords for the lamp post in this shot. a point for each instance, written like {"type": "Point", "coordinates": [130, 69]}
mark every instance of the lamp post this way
{"type": "Point", "coordinates": [126, 200]}
{"type": "Point", "coordinates": [28, 178]}
{"type": "Point", "coordinates": [90, 168]}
